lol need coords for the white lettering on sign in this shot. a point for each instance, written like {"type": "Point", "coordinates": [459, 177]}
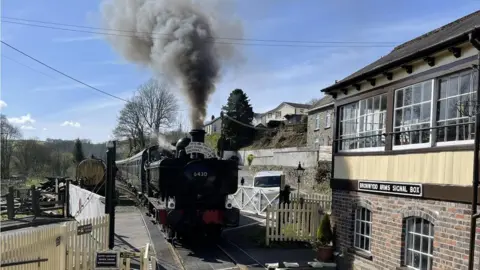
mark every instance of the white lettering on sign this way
{"type": "Point", "coordinates": [409, 189]}
{"type": "Point", "coordinates": [200, 148]}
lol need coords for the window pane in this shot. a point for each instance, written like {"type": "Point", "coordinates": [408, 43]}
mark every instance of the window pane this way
{"type": "Point", "coordinates": [416, 260]}
{"type": "Point", "coordinates": [465, 84]}
{"type": "Point", "coordinates": [416, 113]}
{"type": "Point", "coordinates": [427, 91]}
{"type": "Point", "coordinates": [452, 108]}
{"type": "Point", "coordinates": [418, 225]}
{"type": "Point", "coordinates": [376, 104]}
{"type": "Point", "coordinates": [383, 103]}
{"type": "Point", "coordinates": [407, 98]}
{"type": "Point", "coordinates": [452, 89]}
{"type": "Point", "coordinates": [367, 243]}
{"type": "Point", "coordinates": [425, 242]}
{"type": "Point", "coordinates": [398, 117]}
{"type": "Point", "coordinates": [443, 89]}
{"type": "Point", "coordinates": [399, 99]}
{"type": "Point", "coordinates": [417, 93]}
{"type": "Point", "coordinates": [425, 115]}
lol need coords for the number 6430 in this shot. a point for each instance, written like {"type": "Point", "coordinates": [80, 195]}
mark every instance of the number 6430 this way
{"type": "Point", "coordinates": [201, 174]}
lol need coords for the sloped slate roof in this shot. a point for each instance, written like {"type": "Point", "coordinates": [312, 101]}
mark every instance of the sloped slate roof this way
{"type": "Point", "coordinates": [425, 41]}
{"type": "Point", "coordinates": [298, 105]}
{"type": "Point", "coordinates": [322, 102]}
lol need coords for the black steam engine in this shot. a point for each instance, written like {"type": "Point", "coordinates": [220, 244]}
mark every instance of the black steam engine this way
{"type": "Point", "coordinates": [190, 190]}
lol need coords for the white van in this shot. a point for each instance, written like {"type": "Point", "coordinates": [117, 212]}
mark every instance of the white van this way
{"type": "Point", "coordinates": [269, 180]}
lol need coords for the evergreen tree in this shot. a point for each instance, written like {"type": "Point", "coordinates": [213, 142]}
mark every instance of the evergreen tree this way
{"type": "Point", "coordinates": [78, 152]}
{"type": "Point", "coordinates": [238, 107]}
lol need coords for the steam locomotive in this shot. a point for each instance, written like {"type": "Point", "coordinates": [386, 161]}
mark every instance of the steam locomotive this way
{"type": "Point", "coordinates": [188, 189]}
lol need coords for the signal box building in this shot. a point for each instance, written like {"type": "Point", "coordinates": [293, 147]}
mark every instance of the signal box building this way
{"type": "Point", "coordinates": [403, 154]}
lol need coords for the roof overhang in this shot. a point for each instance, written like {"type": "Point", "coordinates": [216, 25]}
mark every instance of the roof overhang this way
{"type": "Point", "coordinates": [321, 107]}
{"type": "Point", "coordinates": [455, 40]}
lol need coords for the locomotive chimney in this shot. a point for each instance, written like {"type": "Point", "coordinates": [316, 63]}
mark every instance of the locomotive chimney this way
{"type": "Point", "coordinates": [198, 135]}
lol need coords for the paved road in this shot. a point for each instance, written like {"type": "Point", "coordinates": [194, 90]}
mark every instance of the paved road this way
{"type": "Point", "coordinates": [247, 175]}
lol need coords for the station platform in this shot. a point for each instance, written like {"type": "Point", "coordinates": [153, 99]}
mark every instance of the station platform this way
{"type": "Point", "coordinates": [133, 231]}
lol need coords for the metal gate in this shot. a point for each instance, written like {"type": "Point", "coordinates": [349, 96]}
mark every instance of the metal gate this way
{"type": "Point", "coordinates": [255, 200]}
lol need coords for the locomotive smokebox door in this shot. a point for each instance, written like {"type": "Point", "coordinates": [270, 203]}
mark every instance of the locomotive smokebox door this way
{"type": "Point", "coordinates": [200, 174]}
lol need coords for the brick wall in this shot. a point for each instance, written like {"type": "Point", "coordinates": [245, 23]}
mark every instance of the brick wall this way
{"type": "Point", "coordinates": [451, 229]}
{"type": "Point", "coordinates": [323, 134]}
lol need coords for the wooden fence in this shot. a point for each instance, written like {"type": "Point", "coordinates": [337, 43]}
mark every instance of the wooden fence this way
{"type": "Point", "coordinates": [71, 245]}
{"type": "Point", "coordinates": [31, 201]}
{"type": "Point", "coordinates": [296, 221]}
{"type": "Point", "coordinates": [323, 200]}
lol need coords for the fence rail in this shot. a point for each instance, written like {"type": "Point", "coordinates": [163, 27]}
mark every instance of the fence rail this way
{"type": "Point", "coordinates": [70, 245]}
{"type": "Point", "coordinates": [292, 222]}
{"type": "Point", "coordinates": [324, 201]}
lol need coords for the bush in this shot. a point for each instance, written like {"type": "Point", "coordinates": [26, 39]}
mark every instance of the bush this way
{"type": "Point", "coordinates": [250, 158]}
{"type": "Point", "coordinates": [324, 232]}
{"type": "Point", "coordinates": [323, 173]}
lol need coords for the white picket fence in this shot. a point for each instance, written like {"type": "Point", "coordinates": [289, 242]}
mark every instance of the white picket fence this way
{"type": "Point", "coordinates": [256, 200]}
{"type": "Point", "coordinates": [324, 201]}
{"type": "Point", "coordinates": [70, 245]}
{"type": "Point", "coordinates": [292, 222]}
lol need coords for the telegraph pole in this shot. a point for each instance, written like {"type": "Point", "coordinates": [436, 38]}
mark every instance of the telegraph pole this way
{"type": "Point", "coordinates": [110, 191]}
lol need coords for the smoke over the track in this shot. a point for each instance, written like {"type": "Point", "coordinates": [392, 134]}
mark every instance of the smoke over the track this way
{"type": "Point", "coordinates": [175, 38]}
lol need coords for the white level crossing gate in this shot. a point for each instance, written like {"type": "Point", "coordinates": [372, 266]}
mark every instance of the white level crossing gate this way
{"type": "Point", "coordinates": [255, 200]}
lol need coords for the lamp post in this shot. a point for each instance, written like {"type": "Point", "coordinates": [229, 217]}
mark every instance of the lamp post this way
{"type": "Point", "coordinates": [110, 191]}
{"type": "Point", "coordinates": [299, 171]}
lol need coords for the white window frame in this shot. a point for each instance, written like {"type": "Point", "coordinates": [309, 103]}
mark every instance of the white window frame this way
{"type": "Point", "coordinates": [365, 149]}
{"type": "Point", "coordinates": [367, 221]}
{"type": "Point", "coordinates": [411, 248]}
{"type": "Point", "coordinates": [317, 121]}
{"type": "Point", "coordinates": [432, 117]}
{"type": "Point", "coordinates": [472, 85]}
{"type": "Point", "coordinates": [328, 120]}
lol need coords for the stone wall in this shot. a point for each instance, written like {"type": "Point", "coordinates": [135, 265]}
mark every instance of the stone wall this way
{"type": "Point", "coordinates": [287, 157]}
{"type": "Point", "coordinates": [451, 230]}
{"type": "Point", "coordinates": [323, 134]}
{"type": "Point", "coordinates": [307, 181]}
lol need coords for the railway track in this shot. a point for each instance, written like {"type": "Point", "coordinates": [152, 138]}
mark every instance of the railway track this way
{"type": "Point", "coordinates": [224, 255]}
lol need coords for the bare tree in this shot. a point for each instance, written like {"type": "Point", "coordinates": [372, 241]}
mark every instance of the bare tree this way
{"type": "Point", "coordinates": [158, 105]}
{"type": "Point", "coordinates": [8, 133]}
{"type": "Point", "coordinates": [131, 125]}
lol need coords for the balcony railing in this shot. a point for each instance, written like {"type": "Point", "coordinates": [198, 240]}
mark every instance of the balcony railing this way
{"type": "Point", "coordinates": [458, 132]}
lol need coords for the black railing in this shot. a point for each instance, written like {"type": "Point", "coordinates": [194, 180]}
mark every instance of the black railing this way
{"type": "Point", "coordinates": [39, 260]}
{"type": "Point", "coordinates": [383, 138]}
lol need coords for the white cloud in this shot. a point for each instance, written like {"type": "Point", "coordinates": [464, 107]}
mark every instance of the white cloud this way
{"type": "Point", "coordinates": [3, 104]}
{"type": "Point", "coordinates": [76, 39]}
{"type": "Point", "coordinates": [67, 87]}
{"type": "Point", "coordinates": [45, 129]}
{"type": "Point", "coordinates": [28, 127]}
{"type": "Point", "coordinates": [25, 119]}
{"type": "Point", "coordinates": [71, 124]}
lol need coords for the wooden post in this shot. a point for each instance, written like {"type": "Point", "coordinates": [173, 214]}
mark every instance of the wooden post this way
{"type": "Point", "coordinates": [66, 202]}
{"type": "Point", "coordinates": [10, 203]}
{"type": "Point", "coordinates": [35, 201]}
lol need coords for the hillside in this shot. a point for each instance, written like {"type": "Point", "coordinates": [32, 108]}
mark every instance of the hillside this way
{"type": "Point", "coordinates": [289, 136]}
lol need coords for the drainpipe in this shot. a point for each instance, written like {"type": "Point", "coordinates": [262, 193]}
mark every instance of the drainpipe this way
{"type": "Point", "coordinates": [472, 37]}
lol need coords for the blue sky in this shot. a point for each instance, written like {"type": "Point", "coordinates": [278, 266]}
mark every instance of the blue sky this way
{"type": "Point", "coordinates": [47, 105]}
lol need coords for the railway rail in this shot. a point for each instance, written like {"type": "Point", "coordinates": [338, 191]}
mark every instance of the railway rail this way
{"type": "Point", "coordinates": [203, 254]}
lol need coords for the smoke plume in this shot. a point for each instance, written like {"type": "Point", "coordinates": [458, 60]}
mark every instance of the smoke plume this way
{"type": "Point", "coordinates": [162, 142]}
{"type": "Point", "coordinates": [175, 38]}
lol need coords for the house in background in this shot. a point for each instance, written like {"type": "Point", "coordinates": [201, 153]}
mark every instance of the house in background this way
{"type": "Point", "coordinates": [214, 126]}
{"type": "Point", "coordinates": [285, 108]}
{"type": "Point", "coordinates": [257, 119]}
{"type": "Point", "coordinates": [403, 165]}
{"type": "Point", "coordinates": [320, 123]}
